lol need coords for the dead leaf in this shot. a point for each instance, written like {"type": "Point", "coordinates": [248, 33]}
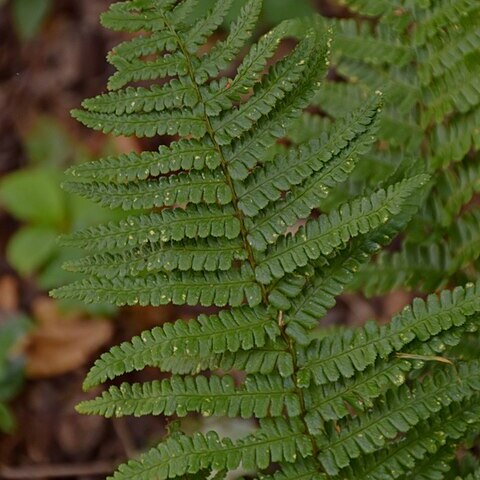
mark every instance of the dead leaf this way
{"type": "Point", "coordinates": [62, 343]}
{"type": "Point", "coordinates": [8, 294]}
{"type": "Point", "coordinates": [425, 358]}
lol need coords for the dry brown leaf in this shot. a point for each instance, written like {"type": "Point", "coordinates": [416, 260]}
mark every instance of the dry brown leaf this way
{"type": "Point", "coordinates": [8, 294]}
{"type": "Point", "coordinates": [62, 343]}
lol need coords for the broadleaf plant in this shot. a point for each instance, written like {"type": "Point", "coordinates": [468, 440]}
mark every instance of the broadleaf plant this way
{"type": "Point", "coordinates": [225, 198]}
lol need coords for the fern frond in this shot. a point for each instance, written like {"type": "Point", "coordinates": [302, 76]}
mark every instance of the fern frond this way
{"type": "Point", "coordinates": [266, 185]}
{"type": "Point", "coordinates": [282, 79]}
{"type": "Point", "coordinates": [248, 162]}
{"type": "Point", "coordinates": [182, 122]}
{"type": "Point", "coordinates": [249, 71]}
{"type": "Point", "coordinates": [135, 15]}
{"type": "Point", "coordinates": [428, 266]}
{"type": "Point", "coordinates": [456, 91]}
{"type": "Point", "coordinates": [223, 53]}
{"type": "Point", "coordinates": [325, 283]}
{"type": "Point", "coordinates": [229, 331]}
{"type": "Point", "coordinates": [180, 288]}
{"type": "Point", "coordinates": [338, 356]}
{"type": "Point", "coordinates": [207, 255]}
{"type": "Point", "coordinates": [441, 60]}
{"type": "Point", "coordinates": [416, 265]}
{"type": "Point", "coordinates": [259, 397]}
{"type": "Point", "coordinates": [248, 151]}
{"type": "Point", "coordinates": [178, 224]}
{"type": "Point", "coordinates": [371, 8]}
{"type": "Point", "coordinates": [320, 237]}
{"type": "Point", "coordinates": [350, 396]}
{"type": "Point", "coordinates": [445, 13]}
{"type": "Point", "coordinates": [207, 187]}
{"type": "Point", "coordinates": [400, 412]}
{"type": "Point", "coordinates": [135, 69]}
{"type": "Point", "coordinates": [454, 188]}
{"type": "Point", "coordinates": [354, 42]}
{"type": "Point", "coordinates": [302, 199]}
{"type": "Point", "coordinates": [173, 95]}
{"type": "Point", "coordinates": [420, 445]}
{"type": "Point", "coordinates": [182, 155]}
{"type": "Point", "coordinates": [453, 141]}
{"type": "Point", "coordinates": [273, 357]}
{"type": "Point", "coordinates": [331, 97]}
{"type": "Point", "coordinates": [303, 469]}
{"type": "Point", "coordinates": [435, 466]}
{"type": "Point", "coordinates": [277, 440]}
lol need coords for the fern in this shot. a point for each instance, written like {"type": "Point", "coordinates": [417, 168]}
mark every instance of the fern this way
{"type": "Point", "coordinates": [426, 54]}
{"type": "Point", "coordinates": [214, 222]}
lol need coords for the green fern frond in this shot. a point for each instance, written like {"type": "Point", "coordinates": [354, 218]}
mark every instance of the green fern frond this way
{"type": "Point", "coordinates": [174, 94]}
{"type": "Point", "coordinates": [223, 53]}
{"type": "Point", "coordinates": [281, 79]}
{"type": "Point", "coordinates": [277, 440]}
{"type": "Point", "coordinates": [178, 224]}
{"type": "Point", "coordinates": [421, 444]}
{"type": "Point", "coordinates": [307, 160]}
{"type": "Point", "coordinates": [229, 331]}
{"type": "Point", "coordinates": [338, 356]}
{"type": "Point", "coordinates": [180, 288]}
{"type": "Point", "coordinates": [325, 283]}
{"type": "Point", "coordinates": [260, 397]}
{"type": "Point", "coordinates": [398, 414]}
{"type": "Point", "coordinates": [184, 123]}
{"type": "Point", "coordinates": [203, 187]}
{"type": "Point", "coordinates": [208, 255]}
{"type": "Point", "coordinates": [445, 13]}
{"type": "Point", "coordinates": [300, 470]}
{"type": "Point", "coordinates": [246, 163]}
{"type": "Point", "coordinates": [351, 396]}
{"type": "Point", "coordinates": [428, 266]}
{"type": "Point", "coordinates": [320, 237]}
{"type": "Point", "coordinates": [353, 42]}
{"type": "Point", "coordinates": [181, 155]}
{"type": "Point", "coordinates": [372, 8]}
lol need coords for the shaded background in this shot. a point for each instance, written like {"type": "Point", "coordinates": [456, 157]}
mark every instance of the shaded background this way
{"type": "Point", "coordinates": [52, 55]}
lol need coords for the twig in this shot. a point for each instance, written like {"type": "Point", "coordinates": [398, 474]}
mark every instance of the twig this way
{"type": "Point", "coordinates": [56, 471]}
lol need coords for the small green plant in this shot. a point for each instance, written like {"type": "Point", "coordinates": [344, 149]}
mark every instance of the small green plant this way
{"type": "Point", "coordinates": [378, 402]}
{"type": "Point", "coordinates": [28, 16]}
{"type": "Point", "coordinates": [34, 196]}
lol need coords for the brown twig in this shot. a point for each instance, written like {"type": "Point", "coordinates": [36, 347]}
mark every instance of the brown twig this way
{"type": "Point", "coordinates": [56, 471]}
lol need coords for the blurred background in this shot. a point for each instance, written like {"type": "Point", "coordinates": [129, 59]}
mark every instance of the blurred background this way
{"type": "Point", "coordinates": [52, 55]}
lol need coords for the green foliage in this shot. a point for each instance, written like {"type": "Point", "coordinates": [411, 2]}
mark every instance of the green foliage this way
{"type": "Point", "coordinates": [223, 230]}
{"type": "Point", "coordinates": [34, 196]}
{"type": "Point", "coordinates": [28, 16]}
{"type": "Point", "coordinates": [425, 55]}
